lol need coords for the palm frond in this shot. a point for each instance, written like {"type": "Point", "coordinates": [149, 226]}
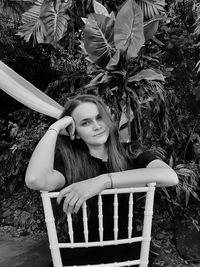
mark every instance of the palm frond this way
{"type": "Point", "coordinates": [196, 9]}
{"type": "Point", "coordinates": [14, 8]}
{"type": "Point", "coordinates": [151, 8]}
{"type": "Point", "coordinates": [32, 25]}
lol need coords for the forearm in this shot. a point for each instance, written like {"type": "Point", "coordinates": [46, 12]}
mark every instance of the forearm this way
{"type": "Point", "coordinates": [42, 160]}
{"type": "Point", "coordinates": [40, 174]}
{"type": "Point", "coordinates": [140, 177]}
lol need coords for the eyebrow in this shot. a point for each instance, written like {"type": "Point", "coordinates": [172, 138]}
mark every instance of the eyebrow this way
{"type": "Point", "coordinates": [86, 119]}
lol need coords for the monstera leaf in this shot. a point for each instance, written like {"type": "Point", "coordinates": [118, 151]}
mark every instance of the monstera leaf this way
{"type": "Point", "coordinates": [46, 21]}
{"type": "Point", "coordinates": [151, 8]}
{"type": "Point", "coordinates": [128, 29]}
{"type": "Point", "coordinates": [99, 39]}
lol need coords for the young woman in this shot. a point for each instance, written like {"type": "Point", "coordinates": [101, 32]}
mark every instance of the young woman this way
{"type": "Point", "coordinates": [81, 155]}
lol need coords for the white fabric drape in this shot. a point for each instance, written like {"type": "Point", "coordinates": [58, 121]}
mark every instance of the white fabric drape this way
{"type": "Point", "coordinates": [23, 91]}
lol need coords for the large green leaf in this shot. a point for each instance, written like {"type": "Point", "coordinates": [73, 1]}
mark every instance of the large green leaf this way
{"type": "Point", "coordinates": [32, 25]}
{"type": "Point", "coordinates": [55, 19]}
{"type": "Point", "coordinates": [100, 9]}
{"type": "Point", "coordinates": [114, 60]}
{"type": "Point", "coordinates": [128, 29]}
{"type": "Point", "coordinates": [152, 8]}
{"type": "Point", "coordinates": [196, 9]}
{"type": "Point", "coordinates": [151, 27]}
{"type": "Point", "coordinates": [99, 39]}
{"type": "Point", "coordinates": [14, 8]}
{"type": "Point", "coordinates": [147, 74]}
{"type": "Point", "coordinates": [45, 21]}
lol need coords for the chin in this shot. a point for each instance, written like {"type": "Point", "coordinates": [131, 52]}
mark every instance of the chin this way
{"type": "Point", "coordinates": [101, 140]}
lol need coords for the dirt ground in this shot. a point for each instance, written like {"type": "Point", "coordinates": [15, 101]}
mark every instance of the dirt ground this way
{"type": "Point", "coordinates": [162, 240]}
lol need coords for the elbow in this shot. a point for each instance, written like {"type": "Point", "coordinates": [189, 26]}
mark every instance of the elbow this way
{"type": "Point", "coordinates": [167, 178]}
{"type": "Point", "coordinates": [173, 178]}
{"type": "Point", "coordinates": [176, 179]}
{"type": "Point", "coordinates": [33, 183]}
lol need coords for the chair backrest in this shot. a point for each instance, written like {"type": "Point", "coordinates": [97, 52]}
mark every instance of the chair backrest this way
{"type": "Point", "coordinates": [144, 238]}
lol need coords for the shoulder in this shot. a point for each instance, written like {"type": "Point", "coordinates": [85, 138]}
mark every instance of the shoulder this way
{"type": "Point", "coordinates": [143, 159]}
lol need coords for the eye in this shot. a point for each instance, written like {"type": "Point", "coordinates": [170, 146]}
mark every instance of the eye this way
{"type": "Point", "coordinates": [85, 123]}
{"type": "Point", "coordinates": [99, 117]}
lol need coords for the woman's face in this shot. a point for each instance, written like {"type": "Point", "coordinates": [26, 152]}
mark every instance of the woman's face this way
{"type": "Point", "coordinates": [90, 126]}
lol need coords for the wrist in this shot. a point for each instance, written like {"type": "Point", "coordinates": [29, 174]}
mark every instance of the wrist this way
{"type": "Point", "coordinates": [55, 126]}
{"type": "Point", "coordinates": [53, 129]}
{"type": "Point", "coordinates": [111, 180]}
{"type": "Point", "coordinates": [107, 181]}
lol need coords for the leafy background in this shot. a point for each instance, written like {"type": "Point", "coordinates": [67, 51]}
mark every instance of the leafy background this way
{"type": "Point", "coordinates": [48, 43]}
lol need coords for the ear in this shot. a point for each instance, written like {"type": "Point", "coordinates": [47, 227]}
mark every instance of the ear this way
{"type": "Point", "coordinates": [77, 136]}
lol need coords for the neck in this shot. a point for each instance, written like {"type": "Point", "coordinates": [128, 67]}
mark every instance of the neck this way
{"type": "Point", "coordinates": [99, 152]}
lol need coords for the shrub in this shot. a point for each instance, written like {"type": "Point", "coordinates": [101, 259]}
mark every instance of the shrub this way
{"type": "Point", "coordinates": [18, 140]}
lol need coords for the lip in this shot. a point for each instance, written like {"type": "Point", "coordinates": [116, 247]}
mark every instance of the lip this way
{"type": "Point", "coordinates": [99, 134]}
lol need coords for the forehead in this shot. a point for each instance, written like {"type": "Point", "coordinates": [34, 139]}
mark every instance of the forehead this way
{"type": "Point", "coordinates": [85, 110]}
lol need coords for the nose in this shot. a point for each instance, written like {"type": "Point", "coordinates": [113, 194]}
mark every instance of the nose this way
{"type": "Point", "coordinates": [96, 125]}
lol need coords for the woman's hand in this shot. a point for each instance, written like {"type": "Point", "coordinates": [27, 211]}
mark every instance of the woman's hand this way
{"type": "Point", "coordinates": [75, 194]}
{"type": "Point", "coordinates": [65, 126]}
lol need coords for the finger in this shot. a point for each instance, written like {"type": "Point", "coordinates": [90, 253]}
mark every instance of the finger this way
{"type": "Point", "coordinates": [78, 204]}
{"type": "Point", "coordinates": [73, 127]}
{"type": "Point", "coordinates": [66, 123]}
{"type": "Point", "coordinates": [62, 194]}
{"type": "Point", "coordinates": [63, 132]}
{"type": "Point", "coordinates": [72, 130]}
{"type": "Point", "coordinates": [71, 204]}
{"type": "Point", "coordinates": [68, 198]}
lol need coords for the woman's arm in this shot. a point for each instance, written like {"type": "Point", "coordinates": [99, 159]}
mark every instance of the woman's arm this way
{"type": "Point", "coordinates": [40, 174]}
{"type": "Point", "coordinates": [156, 171]}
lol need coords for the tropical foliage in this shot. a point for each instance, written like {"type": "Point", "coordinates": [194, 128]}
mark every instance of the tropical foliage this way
{"type": "Point", "coordinates": [14, 8]}
{"type": "Point", "coordinates": [111, 45]}
{"type": "Point", "coordinates": [48, 21]}
{"type": "Point", "coordinates": [16, 150]}
{"type": "Point", "coordinates": [114, 44]}
{"type": "Point", "coordinates": [147, 76]}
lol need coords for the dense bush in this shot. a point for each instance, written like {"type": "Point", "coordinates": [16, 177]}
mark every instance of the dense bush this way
{"type": "Point", "coordinates": [20, 133]}
{"type": "Point", "coordinates": [172, 124]}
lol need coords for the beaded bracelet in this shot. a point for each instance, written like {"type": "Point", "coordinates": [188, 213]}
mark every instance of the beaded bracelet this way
{"type": "Point", "coordinates": [111, 180]}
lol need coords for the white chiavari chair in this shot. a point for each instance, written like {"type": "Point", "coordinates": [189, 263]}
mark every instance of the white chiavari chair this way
{"type": "Point", "coordinates": [145, 238]}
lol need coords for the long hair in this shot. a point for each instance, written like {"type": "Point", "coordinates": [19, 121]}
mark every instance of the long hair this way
{"type": "Point", "coordinates": [75, 153]}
